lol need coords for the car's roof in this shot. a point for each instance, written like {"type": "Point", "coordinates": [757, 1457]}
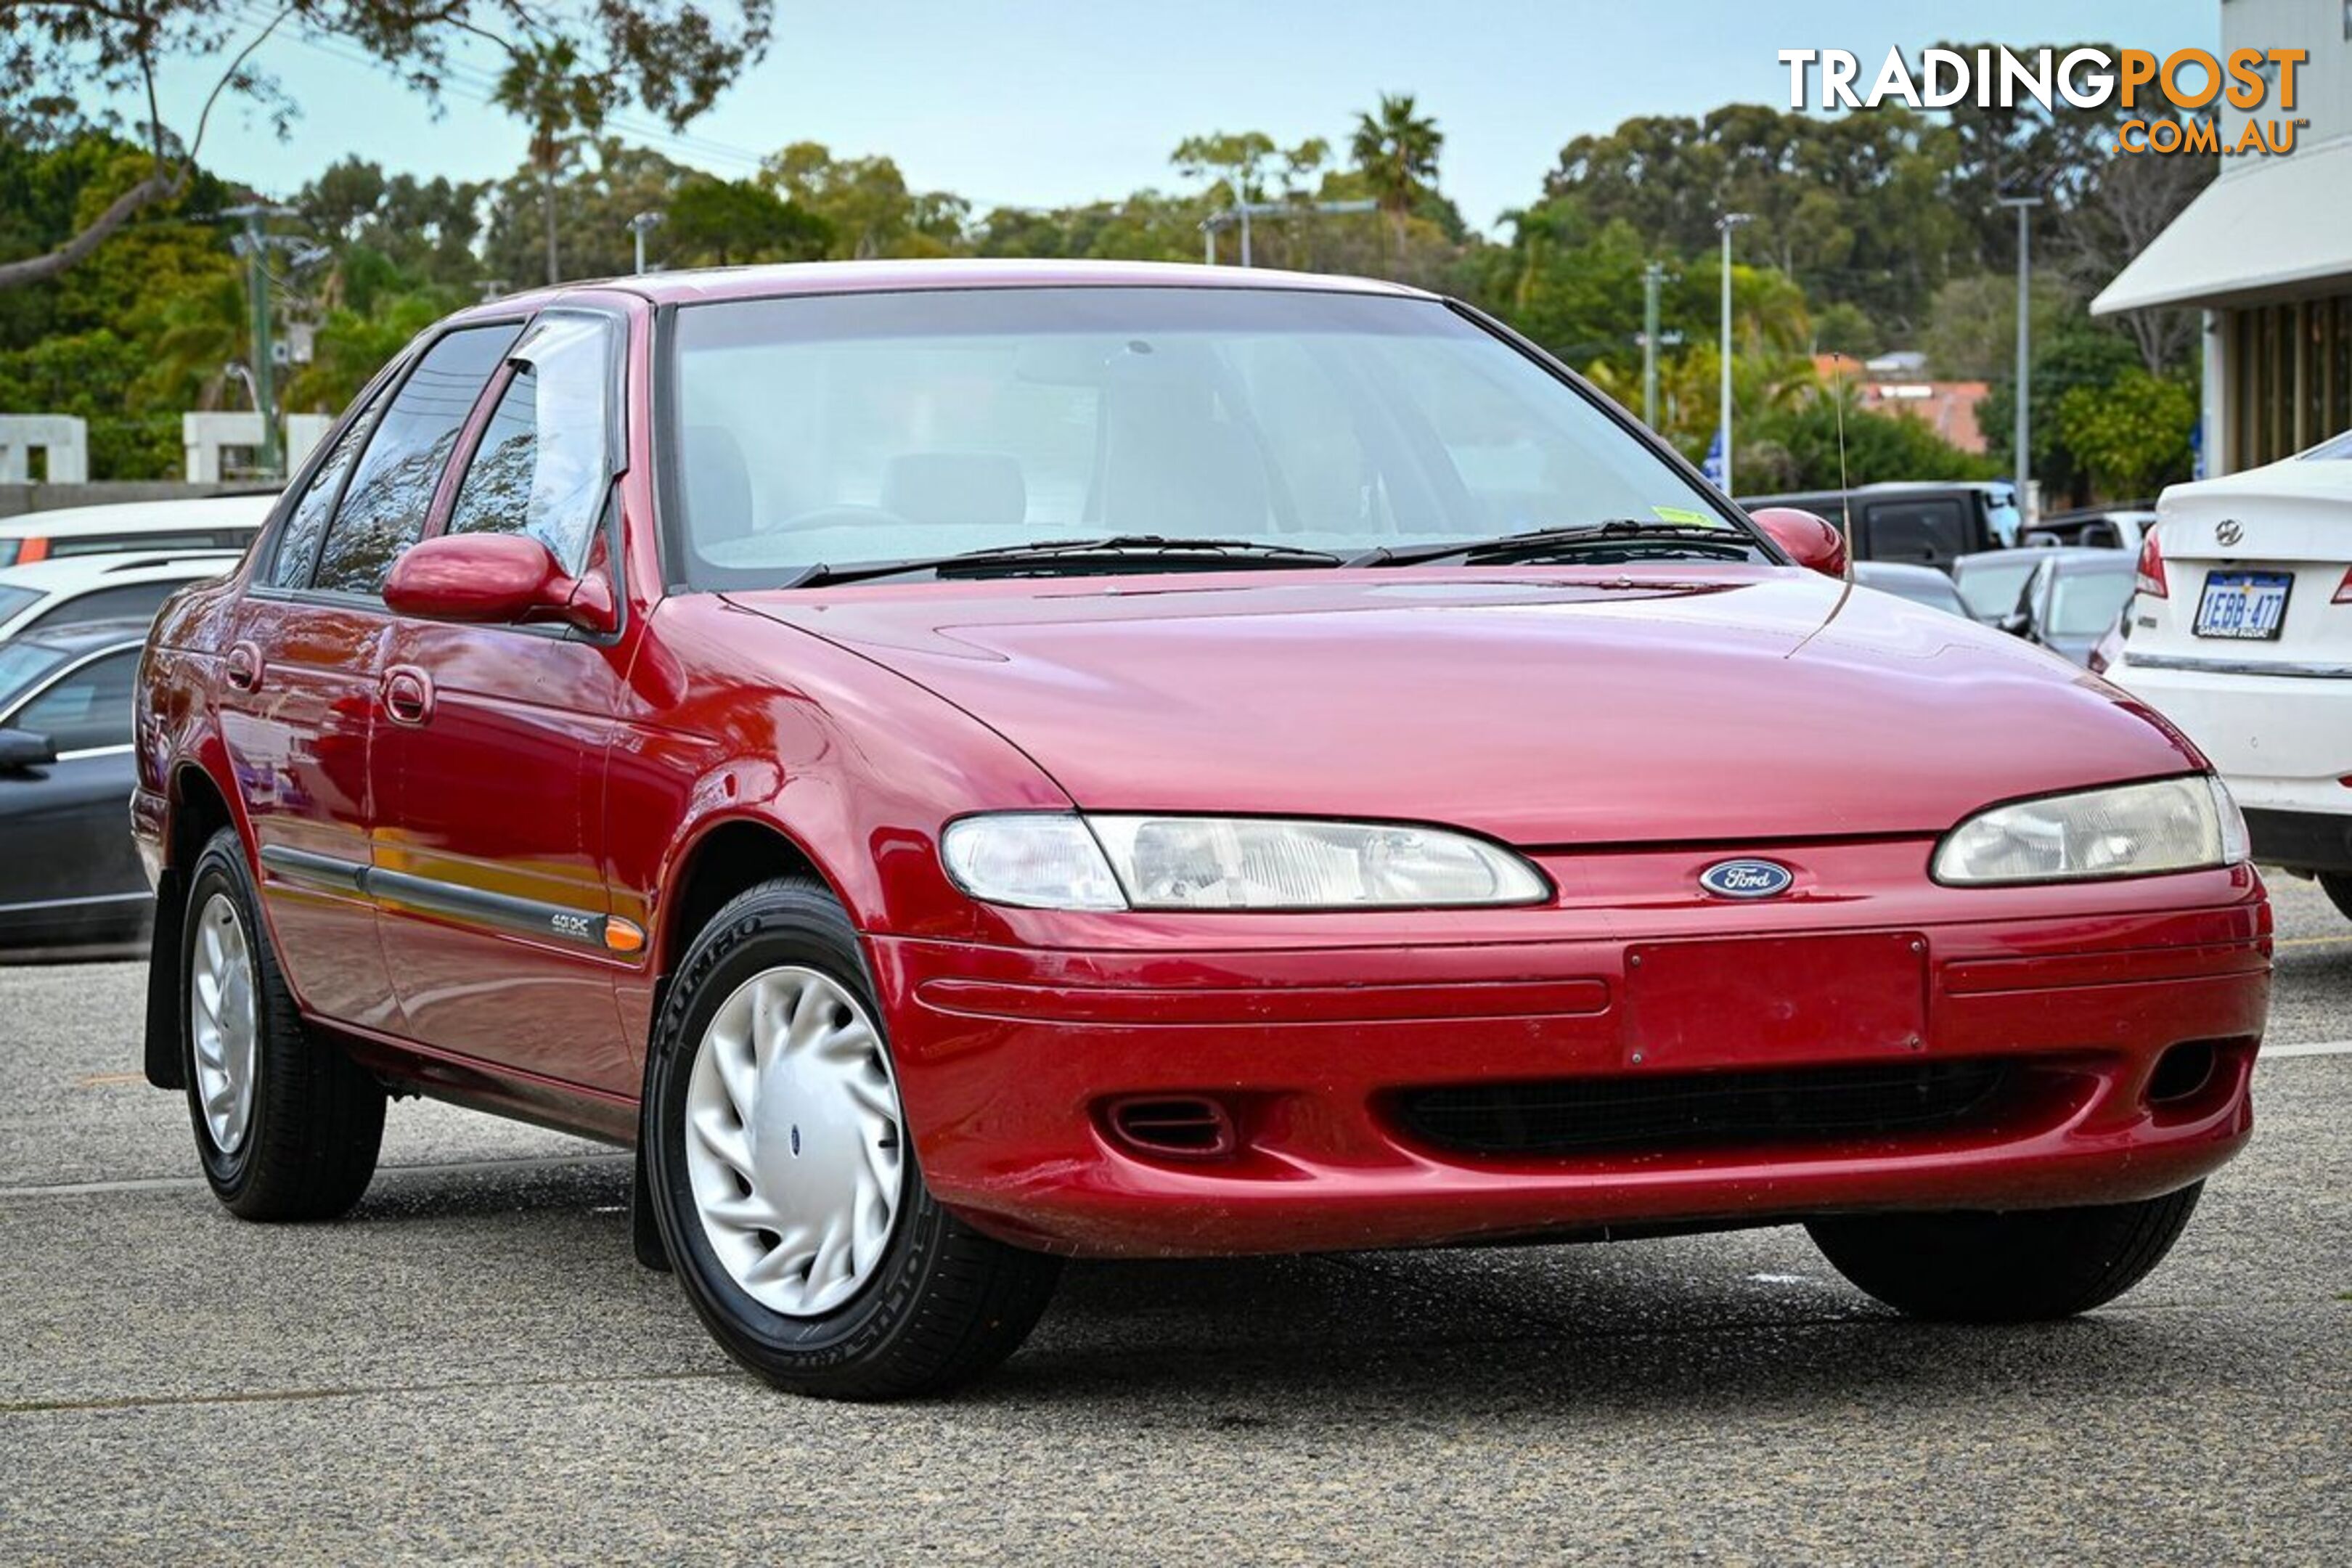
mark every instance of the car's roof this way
{"type": "Point", "coordinates": [83, 636]}
{"type": "Point", "coordinates": [700, 284]}
{"type": "Point", "coordinates": [2036, 553]}
{"type": "Point", "coordinates": [1898, 572]}
{"type": "Point", "coordinates": [163, 516]}
{"type": "Point", "coordinates": [71, 573]}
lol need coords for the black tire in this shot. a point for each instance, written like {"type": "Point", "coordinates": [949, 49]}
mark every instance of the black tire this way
{"type": "Point", "coordinates": [2026, 1267]}
{"type": "Point", "coordinates": [309, 1144]}
{"type": "Point", "coordinates": [944, 1303]}
{"type": "Point", "coordinates": [2338, 886]}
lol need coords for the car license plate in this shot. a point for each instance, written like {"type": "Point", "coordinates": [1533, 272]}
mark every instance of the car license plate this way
{"type": "Point", "coordinates": [2246, 605]}
{"type": "Point", "coordinates": [1755, 1000]}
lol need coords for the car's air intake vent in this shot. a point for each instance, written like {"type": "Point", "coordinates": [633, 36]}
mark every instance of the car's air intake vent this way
{"type": "Point", "coordinates": [1184, 1127]}
{"type": "Point", "coordinates": [1570, 1116]}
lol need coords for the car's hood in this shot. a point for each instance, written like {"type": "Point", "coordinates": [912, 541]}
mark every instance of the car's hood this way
{"type": "Point", "coordinates": [1539, 708]}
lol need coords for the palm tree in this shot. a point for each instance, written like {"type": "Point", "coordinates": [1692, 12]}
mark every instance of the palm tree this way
{"type": "Point", "coordinates": [544, 86]}
{"type": "Point", "coordinates": [1397, 151]}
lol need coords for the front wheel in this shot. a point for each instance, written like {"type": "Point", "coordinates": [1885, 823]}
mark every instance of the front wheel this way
{"type": "Point", "coordinates": [2026, 1267]}
{"type": "Point", "coordinates": [783, 1179]}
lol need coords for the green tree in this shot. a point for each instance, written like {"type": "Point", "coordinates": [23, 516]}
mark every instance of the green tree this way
{"type": "Point", "coordinates": [2131, 437]}
{"type": "Point", "coordinates": [730, 221]}
{"type": "Point", "coordinates": [547, 88]}
{"type": "Point", "coordinates": [1396, 148]}
{"type": "Point", "coordinates": [62, 60]}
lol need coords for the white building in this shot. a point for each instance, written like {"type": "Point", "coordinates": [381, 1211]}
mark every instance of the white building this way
{"type": "Point", "coordinates": [2265, 251]}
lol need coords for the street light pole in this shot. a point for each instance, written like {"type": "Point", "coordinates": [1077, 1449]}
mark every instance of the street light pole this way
{"type": "Point", "coordinates": [1652, 275]}
{"type": "Point", "coordinates": [1726, 222]}
{"type": "Point", "coordinates": [2024, 206]}
{"type": "Point", "coordinates": [262, 374]}
{"type": "Point", "coordinates": [639, 226]}
{"type": "Point", "coordinates": [1241, 206]}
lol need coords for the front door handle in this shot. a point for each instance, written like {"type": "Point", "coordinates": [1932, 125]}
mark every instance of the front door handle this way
{"type": "Point", "coordinates": [407, 695]}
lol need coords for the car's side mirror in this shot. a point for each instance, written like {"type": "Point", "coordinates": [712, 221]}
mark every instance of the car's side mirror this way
{"type": "Point", "coordinates": [21, 750]}
{"type": "Point", "coordinates": [1809, 541]}
{"type": "Point", "coordinates": [495, 579]}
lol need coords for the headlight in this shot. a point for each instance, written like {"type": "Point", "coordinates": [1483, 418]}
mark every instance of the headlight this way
{"type": "Point", "coordinates": [2128, 830]}
{"type": "Point", "coordinates": [1050, 860]}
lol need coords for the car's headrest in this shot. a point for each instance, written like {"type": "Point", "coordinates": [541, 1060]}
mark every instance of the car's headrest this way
{"type": "Point", "coordinates": [950, 488]}
{"type": "Point", "coordinates": [717, 485]}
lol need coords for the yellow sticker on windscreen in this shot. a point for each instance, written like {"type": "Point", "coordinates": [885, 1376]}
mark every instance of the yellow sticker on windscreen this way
{"type": "Point", "coordinates": [1686, 516]}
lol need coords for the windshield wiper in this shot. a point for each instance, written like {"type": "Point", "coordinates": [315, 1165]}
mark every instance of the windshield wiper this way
{"type": "Point", "coordinates": [1050, 552]}
{"type": "Point", "coordinates": [1536, 542]}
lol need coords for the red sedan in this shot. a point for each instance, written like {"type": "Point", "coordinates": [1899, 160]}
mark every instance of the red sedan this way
{"type": "Point", "coordinates": [962, 766]}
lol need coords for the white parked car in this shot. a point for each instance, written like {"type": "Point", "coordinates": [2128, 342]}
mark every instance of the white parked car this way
{"type": "Point", "coordinates": [206, 522]}
{"type": "Point", "coordinates": [2242, 635]}
{"type": "Point", "coordinates": [81, 588]}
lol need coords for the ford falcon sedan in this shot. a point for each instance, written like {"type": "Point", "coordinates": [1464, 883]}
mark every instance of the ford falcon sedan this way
{"type": "Point", "coordinates": [961, 766]}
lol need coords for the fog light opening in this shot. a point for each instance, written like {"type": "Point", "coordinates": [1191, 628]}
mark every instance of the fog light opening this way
{"type": "Point", "coordinates": [2181, 1073]}
{"type": "Point", "coordinates": [1173, 1126]}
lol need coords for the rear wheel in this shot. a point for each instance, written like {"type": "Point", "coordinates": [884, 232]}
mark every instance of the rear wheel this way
{"type": "Point", "coordinates": [288, 1128]}
{"type": "Point", "coordinates": [2005, 1267]}
{"type": "Point", "coordinates": [783, 1179]}
{"type": "Point", "coordinates": [2339, 889]}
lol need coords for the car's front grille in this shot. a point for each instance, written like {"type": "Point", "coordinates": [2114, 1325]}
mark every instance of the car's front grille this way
{"type": "Point", "coordinates": [1575, 1116]}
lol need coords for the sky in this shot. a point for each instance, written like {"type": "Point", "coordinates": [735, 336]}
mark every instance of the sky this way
{"type": "Point", "coordinates": [1044, 102]}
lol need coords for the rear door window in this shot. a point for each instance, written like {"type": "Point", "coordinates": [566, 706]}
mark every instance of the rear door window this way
{"type": "Point", "coordinates": [1925, 532]}
{"type": "Point", "coordinates": [383, 511]}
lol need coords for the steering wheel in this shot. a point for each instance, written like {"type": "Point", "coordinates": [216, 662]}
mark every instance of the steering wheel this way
{"type": "Point", "coordinates": [841, 515]}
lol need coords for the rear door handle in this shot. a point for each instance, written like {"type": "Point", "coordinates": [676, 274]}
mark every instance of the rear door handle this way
{"type": "Point", "coordinates": [243, 667]}
{"type": "Point", "coordinates": [407, 695]}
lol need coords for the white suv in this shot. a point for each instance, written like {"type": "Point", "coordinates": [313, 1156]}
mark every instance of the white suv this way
{"type": "Point", "coordinates": [2241, 633]}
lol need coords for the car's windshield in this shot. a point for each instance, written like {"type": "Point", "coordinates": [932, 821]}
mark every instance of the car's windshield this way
{"type": "Point", "coordinates": [22, 664]}
{"type": "Point", "coordinates": [2084, 602]}
{"type": "Point", "coordinates": [845, 428]}
{"type": "Point", "coordinates": [1991, 586]}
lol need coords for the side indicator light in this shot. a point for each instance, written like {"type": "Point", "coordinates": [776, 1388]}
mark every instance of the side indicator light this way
{"type": "Point", "coordinates": [622, 937]}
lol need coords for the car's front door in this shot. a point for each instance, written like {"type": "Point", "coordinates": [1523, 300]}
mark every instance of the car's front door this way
{"type": "Point", "coordinates": [67, 869]}
{"type": "Point", "coordinates": [488, 872]}
{"type": "Point", "coordinates": [299, 684]}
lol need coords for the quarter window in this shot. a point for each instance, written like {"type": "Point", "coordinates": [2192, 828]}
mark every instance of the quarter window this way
{"type": "Point", "coordinates": [544, 459]}
{"type": "Point", "coordinates": [87, 710]}
{"type": "Point", "coordinates": [297, 541]}
{"type": "Point", "coordinates": [382, 511]}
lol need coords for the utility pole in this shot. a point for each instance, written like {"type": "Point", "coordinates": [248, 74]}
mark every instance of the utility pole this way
{"type": "Point", "coordinates": [254, 246]}
{"type": "Point", "coordinates": [639, 226]}
{"type": "Point", "coordinates": [2024, 206]}
{"type": "Point", "coordinates": [1726, 222]}
{"type": "Point", "coordinates": [1652, 275]}
{"type": "Point", "coordinates": [1241, 205]}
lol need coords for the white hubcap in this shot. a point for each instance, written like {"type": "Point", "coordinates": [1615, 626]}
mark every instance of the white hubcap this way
{"type": "Point", "coordinates": [222, 1023]}
{"type": "Point", "coordinates": [794, 1145]}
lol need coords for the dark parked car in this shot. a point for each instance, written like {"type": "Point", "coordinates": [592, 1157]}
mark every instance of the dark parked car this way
{"type": "Point", "coordinates": [1920, 584]}
{"type": "Point", "coordinates": [2070, 599]}
{"type": "Point", "coordinates": [1921, 525]}
{"type": "Point", "coordinates": [69, 871]}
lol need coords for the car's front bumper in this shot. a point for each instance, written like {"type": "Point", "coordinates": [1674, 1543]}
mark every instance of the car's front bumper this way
{"type": "Point", "coordinates": [1010, 1059]}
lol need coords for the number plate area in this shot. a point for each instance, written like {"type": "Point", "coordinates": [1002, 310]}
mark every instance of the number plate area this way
{"type": "Point", "coordinates": [1775, 1001]}
{"type": "Point", "coordinates": [2243, 606]}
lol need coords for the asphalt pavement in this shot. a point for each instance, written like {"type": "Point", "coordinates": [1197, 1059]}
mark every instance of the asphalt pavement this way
{"type": "Point", "coordinates": [470, 1368]}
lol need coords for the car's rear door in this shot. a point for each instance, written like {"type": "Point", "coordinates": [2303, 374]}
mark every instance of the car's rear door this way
{"type": "Point", "coordinates": [68, 869]}
{"type": "Point", "coordinates": [489, 869]}
{"type": "Point", "coordinates": [300, 686]}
